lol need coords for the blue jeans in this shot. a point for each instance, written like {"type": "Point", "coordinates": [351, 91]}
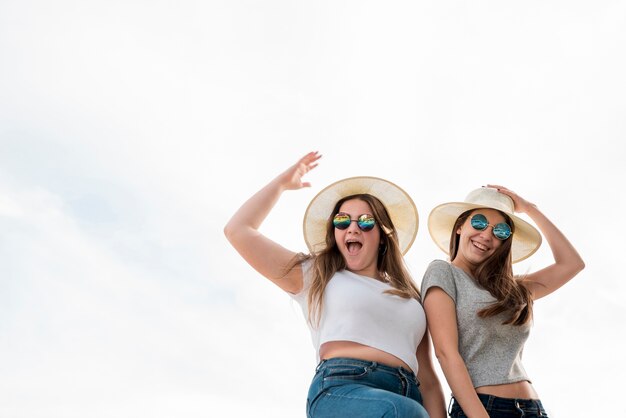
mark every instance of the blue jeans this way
{"type": "Point", "coordinates": [345, 387]}
{"type": "Point", "coordinates": [504, 407]}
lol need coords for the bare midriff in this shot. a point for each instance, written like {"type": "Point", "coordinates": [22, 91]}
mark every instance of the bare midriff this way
{"type": "Point", "coordinates": [517, 390]}
{"type": "Point", "coordinates": [335, 349]}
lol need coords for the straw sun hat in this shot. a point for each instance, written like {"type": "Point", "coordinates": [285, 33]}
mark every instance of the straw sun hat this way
{"type": "Point", "coordinates": [398, 203]}
{"type": "Point", "coordinates": [526, 238]}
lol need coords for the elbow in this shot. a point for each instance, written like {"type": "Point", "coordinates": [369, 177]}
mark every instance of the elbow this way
{"type": "Point", "coordinates": [449, 357]}
{"type": "Point", "coordinates": [236, 234]}
{"type": "Point", "coordinates": [229, 232]}
{"type": "Point", "coordinates": [571, 265]}
{"type": "Point", "coordinates": [574, 268]}
{"type": "Point", "coordinates": [577, 265]}
{"type": "Point", "coordinates": [443, 355]}
{"type": "Point", "coordinates": [580, 266]}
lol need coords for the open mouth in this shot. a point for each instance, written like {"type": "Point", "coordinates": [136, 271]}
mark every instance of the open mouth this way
{"type": "Point", "coordinates": [480, 246]}
{"type": "Point", "coordinates": [353, 247]}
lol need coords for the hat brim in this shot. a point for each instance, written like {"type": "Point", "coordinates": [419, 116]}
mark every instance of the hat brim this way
{"type": "Point", "coordinates": [526, 238]}
{"type": "Point", "coordinates": [399, 205]}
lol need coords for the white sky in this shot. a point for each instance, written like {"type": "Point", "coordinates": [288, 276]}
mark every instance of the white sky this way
{"type": "Point", "coordinates": [131, 130]}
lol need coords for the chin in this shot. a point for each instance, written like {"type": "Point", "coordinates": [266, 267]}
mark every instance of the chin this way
{"type": "Point", "coordinates": [354, 267]}
{"type": "Point", "coordinates": [479, 260]}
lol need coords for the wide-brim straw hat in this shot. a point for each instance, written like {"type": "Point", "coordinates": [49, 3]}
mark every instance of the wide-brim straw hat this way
{"type": "Point", "coordinates": [526, 238]}
{"type": "Point", "coordinates": [399, 205]}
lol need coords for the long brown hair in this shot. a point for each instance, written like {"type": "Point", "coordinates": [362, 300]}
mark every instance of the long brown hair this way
{"type": "Point", "coordinates": [329, 261]}
{"type": "Point", "coordinates": [495, 274]}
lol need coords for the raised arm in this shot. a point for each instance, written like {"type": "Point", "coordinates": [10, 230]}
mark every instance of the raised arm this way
{"type": "Point", "coordinates": [264, 255]}
{"type": "Point", "coordinates": [567, 261]}
{"type": "Point", "coordinates": [441, 317]}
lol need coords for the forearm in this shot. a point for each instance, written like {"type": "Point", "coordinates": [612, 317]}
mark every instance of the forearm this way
{"type": "Point", "coordinates": [430, 387]}
{"type": "Point", "coordinates": [254, 211]}
{"type": "Point", "coordinates": [567, 259]}
{"type": "Point", "coordinates": [563, 251]}
{"type": "Point", "coordinates": [264, 255]}
{"type": "Point", "coordinates": [434, 401]}
{"type": "Point", "coordinates": [462, 388]}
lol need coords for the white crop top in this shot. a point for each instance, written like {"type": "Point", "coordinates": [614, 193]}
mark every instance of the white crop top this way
{"type": "Point", "coordinates": [357, 309]}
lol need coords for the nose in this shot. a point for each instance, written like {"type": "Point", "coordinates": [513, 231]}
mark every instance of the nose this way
{"type": "Point", "coordinates": [487, 233]}
{"type": "Point", "coordinates": [353, 228]}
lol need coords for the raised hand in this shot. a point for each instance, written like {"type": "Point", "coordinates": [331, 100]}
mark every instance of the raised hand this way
{"type": "Point", "coordinates": [266, 256]}
{"type": "Point", "coordinates": [567, 261]}
{"type": "Point", "coordinates": [521, 205]}
{"type": "Point", "coordinates": [291, 179]}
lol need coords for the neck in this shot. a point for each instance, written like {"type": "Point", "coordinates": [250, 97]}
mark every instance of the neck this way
{"type": "Point", "coordinates": [467, 268]}
{"type": "Point", "coordinates": [375, 274]}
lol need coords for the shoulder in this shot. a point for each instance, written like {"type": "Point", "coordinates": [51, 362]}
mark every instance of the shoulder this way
{"type": "Point", "coordinates": [439, 274]}
{"type": "Point", "coordinates": [438, 267]}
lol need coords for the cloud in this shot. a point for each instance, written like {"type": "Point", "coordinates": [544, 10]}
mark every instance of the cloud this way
{"type": "Point", "coordinates": [129, 134]}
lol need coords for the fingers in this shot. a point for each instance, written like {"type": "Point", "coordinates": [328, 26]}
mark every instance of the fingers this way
{"type": "Point", "coordinates": [520, 204]}
{"type": "Point", "coordinates": [498, 187]}
{"type": "Point", "coordinates": [509, 193]}
{"type": "Point", "coordinates": [308, 162]}
{"type": "Point", "coordinates": [311, 157]}
{"type": "Point", "coordinates": [503, 190]}
{"type": "Point", "coordinates": [292, 177]}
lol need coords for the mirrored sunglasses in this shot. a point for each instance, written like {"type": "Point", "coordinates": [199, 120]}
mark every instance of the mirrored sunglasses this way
{"type": "Point", "coordinates": [365, 222]}
{"type": "Point", "coordinates": [502, 231]}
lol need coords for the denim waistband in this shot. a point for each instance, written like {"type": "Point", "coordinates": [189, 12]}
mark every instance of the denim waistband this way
{"type": "Point", "coordinates": [372, 365]}
{"type": "Point", "coordinates": [495, 404]}
{"type": "Point", "coordinates": [491, 401]}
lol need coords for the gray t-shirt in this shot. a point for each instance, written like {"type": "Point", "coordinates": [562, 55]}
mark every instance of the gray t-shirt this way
{"type": "Point", "coordinates": [492, 352]}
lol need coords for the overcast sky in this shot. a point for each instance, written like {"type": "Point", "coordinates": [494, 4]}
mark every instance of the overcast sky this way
{"type": "Point", "coordinates": [130, 131]}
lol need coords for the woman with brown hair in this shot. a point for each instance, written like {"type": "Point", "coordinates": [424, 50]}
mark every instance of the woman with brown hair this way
{"type": "Point", "coordinates": [479, 313]}
{"type": "Point", "coordinates": [362, 308]}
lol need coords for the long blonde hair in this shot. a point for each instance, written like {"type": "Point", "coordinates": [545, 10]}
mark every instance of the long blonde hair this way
{"type": "Point", "coordinates": [329, 261]}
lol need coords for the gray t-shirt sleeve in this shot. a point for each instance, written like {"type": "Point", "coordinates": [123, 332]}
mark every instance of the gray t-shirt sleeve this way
{"type": "Point", "coordinates": [439, 274]}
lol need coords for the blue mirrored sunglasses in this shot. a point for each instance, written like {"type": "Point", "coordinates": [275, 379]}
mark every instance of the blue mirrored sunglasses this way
{"type": "Point", "coordinates": [365, 222]}
{"type": "Point", "coordinates": [502, 231]}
